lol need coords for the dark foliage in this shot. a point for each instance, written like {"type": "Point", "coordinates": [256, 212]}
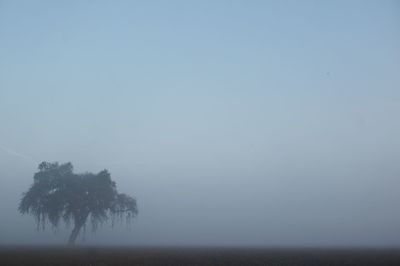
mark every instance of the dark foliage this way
{"type": "Point", "coordinates": [59, 194]}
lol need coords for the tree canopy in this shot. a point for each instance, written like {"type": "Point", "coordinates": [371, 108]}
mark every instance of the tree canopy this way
{"type": "Point", "coordinates": [58, 194]}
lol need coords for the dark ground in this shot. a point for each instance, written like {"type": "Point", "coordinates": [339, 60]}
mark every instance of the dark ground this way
{"type": "Point", "coordinates": [196, 256]}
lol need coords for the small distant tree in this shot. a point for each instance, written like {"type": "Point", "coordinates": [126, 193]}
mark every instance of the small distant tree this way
{"type": "Point", "coordinates": [59, 194]}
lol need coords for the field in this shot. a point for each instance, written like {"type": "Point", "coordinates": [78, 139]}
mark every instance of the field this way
{"type": "Point", "coordinates": [196, 256]}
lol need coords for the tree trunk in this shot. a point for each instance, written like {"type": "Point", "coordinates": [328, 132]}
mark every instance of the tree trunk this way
{"type": "Point", "coordinates": [75, 232]}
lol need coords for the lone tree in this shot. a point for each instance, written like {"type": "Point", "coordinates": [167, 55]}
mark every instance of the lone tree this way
{"type": "Point", "coordinates": [59, 194]}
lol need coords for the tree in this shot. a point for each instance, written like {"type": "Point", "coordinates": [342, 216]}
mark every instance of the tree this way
{"type": "Point", "coordinates": [59, 194]}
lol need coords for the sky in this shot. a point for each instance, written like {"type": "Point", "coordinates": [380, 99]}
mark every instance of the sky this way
{"type": "Point", "coordinates": [237, 123]}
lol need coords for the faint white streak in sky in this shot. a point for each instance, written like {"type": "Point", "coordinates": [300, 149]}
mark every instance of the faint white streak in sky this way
{"type": "Point", "coordinates": [12, 152]}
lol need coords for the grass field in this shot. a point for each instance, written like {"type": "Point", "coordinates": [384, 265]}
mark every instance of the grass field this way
{"type": "Point", "coordinates": [196, 256]}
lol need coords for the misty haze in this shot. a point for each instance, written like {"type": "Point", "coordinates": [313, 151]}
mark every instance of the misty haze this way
{"type": "Point", "coordinates": [231, 123]}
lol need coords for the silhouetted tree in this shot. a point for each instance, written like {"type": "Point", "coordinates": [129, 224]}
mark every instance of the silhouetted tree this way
{"type": "Point", "coordinates": [59, 194]}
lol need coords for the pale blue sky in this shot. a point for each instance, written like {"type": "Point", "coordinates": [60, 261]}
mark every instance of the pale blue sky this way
{"type": "Point", "coordinates": [233, 122]}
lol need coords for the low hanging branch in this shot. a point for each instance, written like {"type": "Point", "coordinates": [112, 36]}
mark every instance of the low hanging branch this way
{"type": "Point", "coordinates": [59, 194]}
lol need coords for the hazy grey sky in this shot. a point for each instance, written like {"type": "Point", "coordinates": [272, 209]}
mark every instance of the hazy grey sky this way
{"type": "Point", "coordinates": [232, 122]}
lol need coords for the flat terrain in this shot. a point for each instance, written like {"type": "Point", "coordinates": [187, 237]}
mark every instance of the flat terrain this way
{"type": "Point", "coordinates": [196, 256]}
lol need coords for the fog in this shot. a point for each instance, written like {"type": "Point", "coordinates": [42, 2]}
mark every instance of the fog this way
{"type": "Point", "coordinates": [233, 123]}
